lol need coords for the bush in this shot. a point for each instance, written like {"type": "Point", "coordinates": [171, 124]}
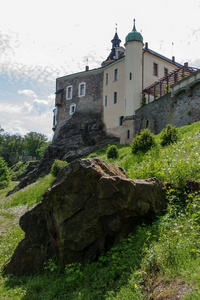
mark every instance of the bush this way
{"type": "Point", "coordinates": [112, 152]}
{"type": "Point", "coordinates": [57, 166]}
{"type": "Point", "coordinates": [143, 142]}
{"type": "Point", "coordinates": [169, 135]}
{"type": "Point", "coordinates": [92, 155]}
{"type": "Point", "coordinates": [4, 174]}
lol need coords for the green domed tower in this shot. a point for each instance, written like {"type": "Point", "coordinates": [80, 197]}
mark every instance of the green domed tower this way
{"type": "Point", "coordinates": [134, 35]}
{"type": "Point", "coordinates": [133, 70]}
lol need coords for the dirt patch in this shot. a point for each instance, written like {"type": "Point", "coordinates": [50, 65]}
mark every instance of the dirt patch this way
{"type": "Point", "coordinates": [168, 290]}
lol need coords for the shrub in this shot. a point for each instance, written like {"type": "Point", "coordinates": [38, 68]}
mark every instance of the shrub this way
{"type": "Point", "coordinates": [169, 135]}
{"type": "Point", "coordinates": [112, 152]}
{"type": "Point", "coordinates": [143, 102]}
{"type": "Point", "coordinates": [92, 155]}
{"type": "Point", "coordinates": [4, 174]}
{"type": "Point", "coordinates": [143, 142]}
{"type": "Point", "coordinates": [57, 166]}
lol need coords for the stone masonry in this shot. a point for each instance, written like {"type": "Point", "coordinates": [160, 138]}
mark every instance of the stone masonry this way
{"type": "Point", "coordinates": [85, 106]}
{"type": "Point", "coordinates": [180, 109]}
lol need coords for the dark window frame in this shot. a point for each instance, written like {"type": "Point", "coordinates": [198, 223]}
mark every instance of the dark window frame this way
{"type": "Point", "coordinates": [155, 69]}
{"type": "Point", "coordinates": [115, 98]}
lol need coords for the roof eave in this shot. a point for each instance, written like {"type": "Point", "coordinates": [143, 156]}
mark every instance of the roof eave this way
{"type": "Point", "coordinates": [162, 57]}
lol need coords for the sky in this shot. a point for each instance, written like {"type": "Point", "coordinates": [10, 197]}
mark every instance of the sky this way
{"type": "Point", "coordinates": [42, 40]}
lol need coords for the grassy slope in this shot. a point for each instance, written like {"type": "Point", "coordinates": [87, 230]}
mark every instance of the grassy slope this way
{"type": "Point", "coordinates": [162, 257]}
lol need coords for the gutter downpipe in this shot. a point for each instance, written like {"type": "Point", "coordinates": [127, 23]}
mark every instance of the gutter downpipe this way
{"type": "Point", "coordinates": [143, 71]}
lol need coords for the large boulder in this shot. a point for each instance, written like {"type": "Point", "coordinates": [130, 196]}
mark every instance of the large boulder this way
{"type": "Point", "coordinates": [90, 207]}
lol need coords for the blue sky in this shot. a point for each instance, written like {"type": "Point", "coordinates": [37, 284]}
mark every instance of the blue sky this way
{"type": "Point", "coordinates": [42, 40]}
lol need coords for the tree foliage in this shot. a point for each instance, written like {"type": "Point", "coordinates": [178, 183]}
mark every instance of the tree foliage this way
{"type": "Point", "coordinates": [40, 151]}
{"type": "Point", "coordinates": [33, 141]}
{"type": "Point", "coordinates": [14, 147]}
{"type": "Point", "coordinates": [11, 148]}
{"type": "Point", "coordinates": [4, 174]}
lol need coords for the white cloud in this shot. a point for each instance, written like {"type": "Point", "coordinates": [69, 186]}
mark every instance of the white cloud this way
{"type": "Point", "coordinates": [33, 115]}
{"type": "Point", "coordinates": [41, 106]}
{"type": "Point", "coordinates": [26, 108]}
{"type": "Point", "coordinates": [6, 108]}
{"type": "Point", "coordinates": [28, 93]}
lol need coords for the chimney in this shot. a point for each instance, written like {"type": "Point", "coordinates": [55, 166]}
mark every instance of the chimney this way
{"type": "Point", "coordinates": [86, 68]}
{"type": "Point", "coordinates": [146, 45]}
{"type": "Point", "coordinates": [186, 64]}
{"type": "Point", "coordinates": [173, 58]}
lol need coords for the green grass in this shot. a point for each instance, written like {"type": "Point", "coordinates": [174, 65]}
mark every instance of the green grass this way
{"type": "Point", "coordinates": [153, 258]}
{"type": "Point", "coordinates": [175, 163]}
{"type": "Point", "coordinates": [29, 196]}
{"type": "Point", "coordinates": [11, 208]}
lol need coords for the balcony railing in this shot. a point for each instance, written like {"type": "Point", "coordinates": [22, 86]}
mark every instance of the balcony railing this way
{"type": "Point", "coordinates": [163, 86]}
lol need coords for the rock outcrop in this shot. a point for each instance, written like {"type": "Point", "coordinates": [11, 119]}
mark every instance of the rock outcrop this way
{"type": "Point", "coordinates": [78, 137]}
{"type": "Point", "coordinates": [90, 207]}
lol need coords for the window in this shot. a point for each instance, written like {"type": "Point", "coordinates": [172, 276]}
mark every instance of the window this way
{"type": "Point", "coordinates": [72, 109]}
{"type": "Point", "coordinates": [130, 76]}
{"type": "Point", "coordinates": [106, 100]}
{"type": "Point", "coordinates": [165, 72]}
{"type": "Point", "coordinates": [121, 120]}
{"type": "Point", "coordinates": [128, 134]}
{"type": "Point", "coordinates": [54, 117]}
{"type": "Point", "coordinates": [81, 89]}
{"type": "Point", "coordinates": [115, 98]}
{"type": "Point", "coordinates": [155, 69]}
{"type": "Point", "coordinates": [69, 92]}
{"type": "Point", "coordinates": [115, 74]}
{"type": "Point", "coordinates": [106, 78]}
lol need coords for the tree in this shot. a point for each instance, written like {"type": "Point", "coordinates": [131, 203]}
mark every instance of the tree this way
{"type": "Point", "coordinates": [11, 147]}
{"type": "Point", "coordinates": [1, 134]}
{"type": "Point", "coordinates": [41, 150]}
{"type": "Point", "coordinates": [4, 174]}
{"type": "Point", "coordinates": [34, 141]}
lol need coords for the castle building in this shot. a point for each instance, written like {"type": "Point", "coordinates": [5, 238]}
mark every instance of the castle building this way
{"type": "Point", "coordinates": [115, 89]}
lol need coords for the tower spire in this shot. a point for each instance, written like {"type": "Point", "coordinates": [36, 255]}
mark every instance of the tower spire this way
{"type": "Point", "coordinates": [134, 35]}
{"type": "Point", "coordinates": [117, 51]}
{"type": "Point", "coordinates": [134, 29]}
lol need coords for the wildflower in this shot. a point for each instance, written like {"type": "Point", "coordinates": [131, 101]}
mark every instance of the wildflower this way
{"type": "Point", "coordinates": [136, 286]}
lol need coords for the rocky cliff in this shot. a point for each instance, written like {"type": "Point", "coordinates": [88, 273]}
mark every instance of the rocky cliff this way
{"type": "Point", "coordinates": [78, 137]}
{"type": "Point", "coordinates": [90, 207]}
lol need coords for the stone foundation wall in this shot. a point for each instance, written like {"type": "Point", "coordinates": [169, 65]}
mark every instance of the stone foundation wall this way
{"type": "Point", "coordinates": [127, 131]}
